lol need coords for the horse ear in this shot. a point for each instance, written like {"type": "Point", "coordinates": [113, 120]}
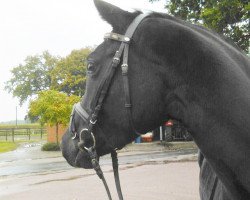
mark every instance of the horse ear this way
{"type": "Point", "coordinates": [115, 16]}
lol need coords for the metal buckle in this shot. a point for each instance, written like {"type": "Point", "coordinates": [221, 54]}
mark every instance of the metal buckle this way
{"type": "Point", "coordinates": [116, 61]}
{"type": "Point", "coordinates": [93, 122]}
{"type": "Point", "coordinates": [124, 69]}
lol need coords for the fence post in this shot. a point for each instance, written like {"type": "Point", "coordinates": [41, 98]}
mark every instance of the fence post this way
{"type": "Point", "coordinates": [41, 132]}
{"type": "Point", "coordinates": [28, 132]}
{"type": "Point", "coordinates": [13, 135]}
{"type": "Point", "coordinates": [6, 135]}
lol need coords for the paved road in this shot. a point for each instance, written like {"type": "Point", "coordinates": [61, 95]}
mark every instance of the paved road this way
{"type": "Point", "coordinates": [146, 173]}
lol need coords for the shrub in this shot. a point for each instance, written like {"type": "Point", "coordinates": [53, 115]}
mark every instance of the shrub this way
{"type": "Point", "coordinates": [51, 146]}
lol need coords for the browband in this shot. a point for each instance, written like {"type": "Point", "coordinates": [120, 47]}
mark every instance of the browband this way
{"type": "Point", "coordinates": [117, 37]}
{"type": "Point", "coordinates": [130, 31]}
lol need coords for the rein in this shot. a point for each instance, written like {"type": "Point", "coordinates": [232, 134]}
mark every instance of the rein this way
{"type": "Point", "coordinates": [91, 119]}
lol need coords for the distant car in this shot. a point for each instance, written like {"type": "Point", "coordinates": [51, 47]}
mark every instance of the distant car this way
{"type": "Point", "coordinates": [174, 130]}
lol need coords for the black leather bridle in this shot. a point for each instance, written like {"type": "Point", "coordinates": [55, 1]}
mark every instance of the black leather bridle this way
{"type": "Point", "coordinates": [91, 119]}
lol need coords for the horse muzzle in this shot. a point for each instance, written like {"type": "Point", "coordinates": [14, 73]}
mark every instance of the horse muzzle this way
{"type": "Point", "coordinates": [73, 155]}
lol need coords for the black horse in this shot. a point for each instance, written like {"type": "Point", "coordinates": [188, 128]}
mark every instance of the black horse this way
{"type": "Point", "coordinates": [181, 71]}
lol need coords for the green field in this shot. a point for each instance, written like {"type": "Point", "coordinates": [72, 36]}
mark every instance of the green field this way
{"type": "Point", "coordinates": [22, 132]}
{"type": "Point", "coordinates": [35, 125]}
{"type": "Point", "coordinates": [7, 146]}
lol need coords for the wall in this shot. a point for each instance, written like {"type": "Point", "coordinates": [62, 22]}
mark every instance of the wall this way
{"type": "Point", "coordinates": [51, 133]}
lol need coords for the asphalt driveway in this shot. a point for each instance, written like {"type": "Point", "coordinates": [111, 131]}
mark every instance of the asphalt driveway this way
{"type": "Point", "coordinates": [146, 172]}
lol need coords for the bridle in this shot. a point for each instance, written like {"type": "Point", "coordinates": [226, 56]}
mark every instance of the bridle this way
{"type": "Point", "coordinates": [91, 118]}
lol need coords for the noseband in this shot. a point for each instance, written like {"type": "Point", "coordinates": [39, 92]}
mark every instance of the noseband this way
{"type": "Point", "coordinates": [91, 119]}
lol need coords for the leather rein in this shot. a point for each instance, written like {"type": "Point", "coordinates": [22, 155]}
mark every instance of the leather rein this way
{"type": "Point", "coordinates": [91, 119]}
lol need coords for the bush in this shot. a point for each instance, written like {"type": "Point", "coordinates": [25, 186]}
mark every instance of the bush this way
{"type": "Point", "coordinates": [51, 146]}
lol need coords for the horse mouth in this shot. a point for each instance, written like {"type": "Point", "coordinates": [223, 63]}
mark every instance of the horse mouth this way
{"type": "Point", "coordinates": [83, 160]}
{"type": "Point", "coordinates": [79, 160]}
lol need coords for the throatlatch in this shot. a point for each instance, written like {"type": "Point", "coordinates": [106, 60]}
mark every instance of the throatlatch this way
{"type": "Point", "coordinates": [91, 119]}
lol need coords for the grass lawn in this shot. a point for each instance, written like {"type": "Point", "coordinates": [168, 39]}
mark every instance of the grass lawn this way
{"type": "Point", "coordinates": [7, 146]}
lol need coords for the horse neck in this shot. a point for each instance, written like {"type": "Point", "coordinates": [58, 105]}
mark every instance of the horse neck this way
{"type": "Point", "coordinates": [215, 106]}
{"type": "Point", "coordinates": [222, 134]}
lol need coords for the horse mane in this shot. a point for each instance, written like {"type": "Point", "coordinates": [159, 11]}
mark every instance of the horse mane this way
{"type": "Point", "coordinates": [197, 27]}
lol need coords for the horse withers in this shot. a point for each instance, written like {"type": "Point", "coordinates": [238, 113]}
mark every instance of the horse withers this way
{"type": "Point", "coordinates": [175, 70]}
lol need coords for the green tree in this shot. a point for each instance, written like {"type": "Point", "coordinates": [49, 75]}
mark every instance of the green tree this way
{"type": "Point", "coordinates": [69, 75]}
{"type": "Point", "coordinates": [52, 107]}
{"type": "Point", "coordinates": [228, 17]}
{"type": "Point", "coordinates": [32, 76]}
{"type": "Point", "coordinates": [43, 72]}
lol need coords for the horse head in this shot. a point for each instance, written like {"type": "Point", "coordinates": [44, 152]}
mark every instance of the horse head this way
{"type": "Point", "coordinates": [113, 129]}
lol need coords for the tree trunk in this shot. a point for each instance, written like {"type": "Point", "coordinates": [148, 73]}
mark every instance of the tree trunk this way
{"type": "Point", "coordinates": [57, 140]}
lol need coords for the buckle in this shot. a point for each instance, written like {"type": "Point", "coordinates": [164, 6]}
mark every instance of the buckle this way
{"type": "Point", "coordinates": [124, 69]}
{"type": "Point", "coordinates": [93, 122]}
{"type": "Point", "coordinates": [116, 61]}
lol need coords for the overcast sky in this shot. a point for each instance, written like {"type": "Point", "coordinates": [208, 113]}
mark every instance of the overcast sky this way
{"type": "Point", "coordinates": [29, 27]}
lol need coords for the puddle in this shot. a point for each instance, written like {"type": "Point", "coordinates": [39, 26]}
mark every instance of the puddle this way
{"type": "Point", "coordinates": [32, 145]}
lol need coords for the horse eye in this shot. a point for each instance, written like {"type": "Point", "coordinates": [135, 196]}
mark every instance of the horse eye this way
{"type": "Point", "coordinates": [91, 68]}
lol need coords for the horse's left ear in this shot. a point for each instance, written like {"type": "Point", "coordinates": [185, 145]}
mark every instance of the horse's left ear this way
{"type": "Point", "coordinates": [116, 17]}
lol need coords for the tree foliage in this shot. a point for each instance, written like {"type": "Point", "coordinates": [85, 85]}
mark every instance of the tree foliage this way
{"type": "Point", "coordinates": [44, 72]}
{"type": "Point", "coordinates": [52, 107]}
{"type": "Point", "coordinates": [229, 17]}
{"type": "Point", "coordinates": [69, 75]}
{"type": "Point", "coordinates": [32, 76]}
